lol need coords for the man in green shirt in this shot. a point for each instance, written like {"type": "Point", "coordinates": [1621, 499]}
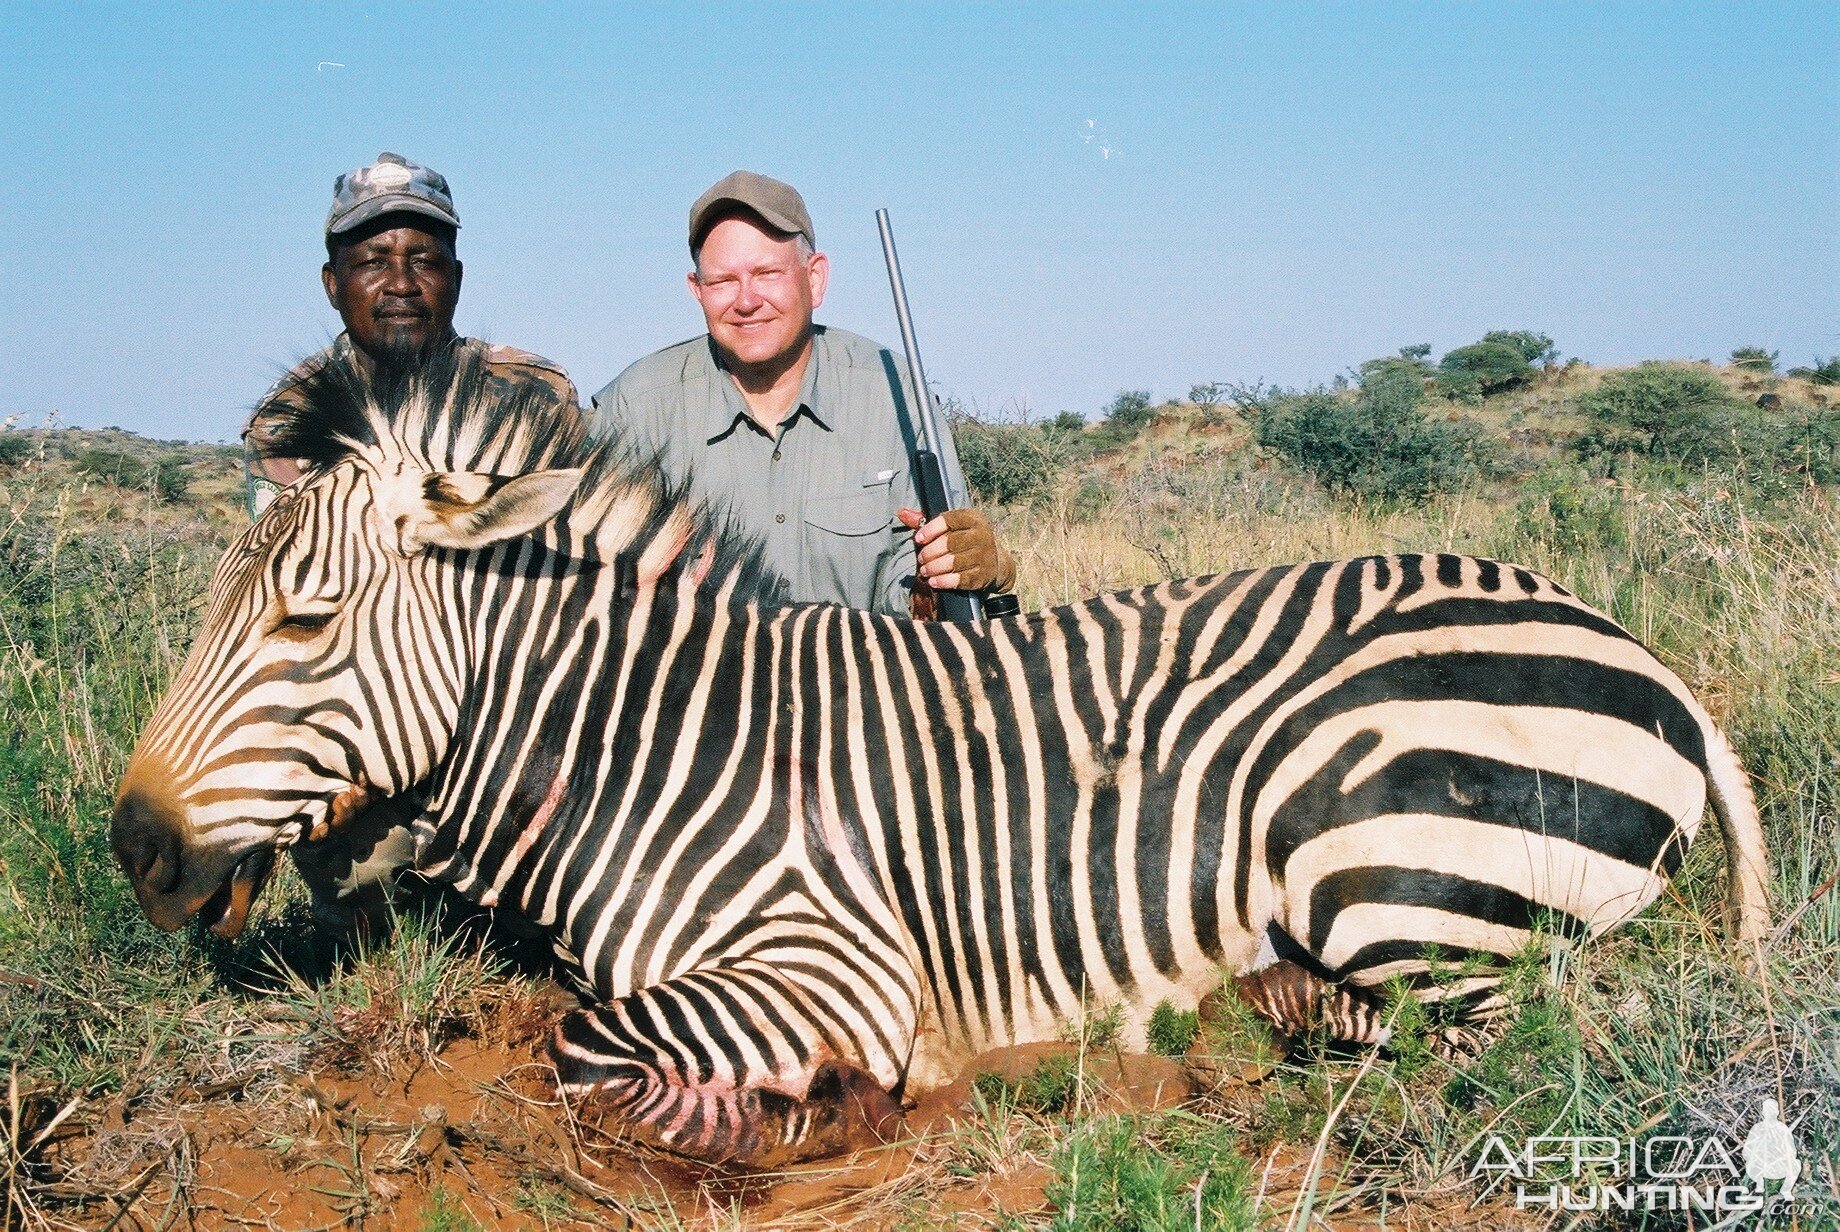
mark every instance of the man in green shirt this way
{"type": "Point", "coordinates": [801, 429]}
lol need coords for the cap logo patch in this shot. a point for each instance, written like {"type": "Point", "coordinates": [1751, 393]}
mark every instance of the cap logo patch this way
{"type": "Point", "coordinates": [389, 175]}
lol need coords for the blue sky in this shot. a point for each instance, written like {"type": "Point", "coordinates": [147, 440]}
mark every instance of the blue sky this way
{"type": "Point", "coordinates": [1289, 189]}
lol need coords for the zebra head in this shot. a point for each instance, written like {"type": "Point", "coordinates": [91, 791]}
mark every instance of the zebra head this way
{"type": "Point", "coordinates": [330, 667]}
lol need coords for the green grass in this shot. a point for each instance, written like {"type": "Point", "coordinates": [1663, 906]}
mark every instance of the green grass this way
{"type": "Point", "coordinates": [1150, 1174]}
{"type": "Point", "coordinates": [1170, 1030]}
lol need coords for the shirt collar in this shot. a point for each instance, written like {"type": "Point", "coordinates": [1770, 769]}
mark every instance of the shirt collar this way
{"type": "Point", "coordinates": [729, 406]}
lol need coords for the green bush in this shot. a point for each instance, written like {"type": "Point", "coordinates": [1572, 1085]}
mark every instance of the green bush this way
{"type": "Point", "coordinates": [1473, 372]}
{"type": "Point", "coordinates": [1754, 359]}
{"type": "Point", "coordinates": [1413, 360]}
{"type": "Point", "coordinates": [1378, 444]}
{"type": "Point", "coordinates": [14, 449]}
{"type": "Point", "coordinates": [1674, 411]}
{"type": "Point", "coordinates": [164, 476]}
{"type": "Point", "coordinates": [1126, 1174]}
{"type": "Point", "coordinates": [1016, 463]}
{"type": "Point", "coordinates": [1808, 441]}
{"type": "Point", "coordinates": [1532, 347]}
{"type": "Point", "coordinates": [1125, 416]}
{"type": "Point", "coordinates": [1209, 393]}
{"type": "Point", "coordinates": [1170, 1030]}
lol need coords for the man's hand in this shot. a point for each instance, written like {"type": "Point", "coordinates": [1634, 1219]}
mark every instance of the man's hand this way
{"type": "Point", "coordinates": [958, 551]}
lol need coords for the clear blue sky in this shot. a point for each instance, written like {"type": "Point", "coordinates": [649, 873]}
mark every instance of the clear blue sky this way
{"type": "Point", "coordinates": [1289, 190]}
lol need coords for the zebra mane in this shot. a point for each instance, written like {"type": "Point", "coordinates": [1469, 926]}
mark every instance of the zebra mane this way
{"type": "Point", "coordinates": [452, 413]}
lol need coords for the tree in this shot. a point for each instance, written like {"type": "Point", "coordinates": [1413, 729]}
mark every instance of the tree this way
{"type": "Point", "coordinates": [1130, 409]}
{"type": "Point", "coordinates": [1532, 347]}
{"type": "Point", "coordinates": [1473, 372]}
{"type": "Point", "coordinates": [1208, 393]}
{"type": "Point", "coordinates": [1754, 359]}
{"type": "Point", "coordinates": [1378, 444]}
{"type": "Point", "coordinates": [1824, 371]}
{"type": "Point", "coordinates": [1675, 411]}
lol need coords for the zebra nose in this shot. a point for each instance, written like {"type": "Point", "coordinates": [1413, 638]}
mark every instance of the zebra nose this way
{"type": "Point", "coordinates": [146, 844]}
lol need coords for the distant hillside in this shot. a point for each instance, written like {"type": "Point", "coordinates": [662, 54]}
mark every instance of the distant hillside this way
{"type": "Point", "coordinates": [105, 473]}
{"type": "Point", "coordinates": [1555, 413]}
{"type": "Point", "coordinates": [1396, 428]}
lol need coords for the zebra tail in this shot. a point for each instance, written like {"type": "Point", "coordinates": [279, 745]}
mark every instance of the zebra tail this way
{"type": "Point", "coordinates": [1747, 907]}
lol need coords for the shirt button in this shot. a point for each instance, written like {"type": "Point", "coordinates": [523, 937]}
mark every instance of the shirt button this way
{"type": "Point", "coordinates": [776, 455]}
{"type": "Point", "coordinates": [779, 517]}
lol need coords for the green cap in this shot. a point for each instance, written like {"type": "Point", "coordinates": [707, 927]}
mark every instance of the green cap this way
{"type": "Point", "coordinates": [779, 205]}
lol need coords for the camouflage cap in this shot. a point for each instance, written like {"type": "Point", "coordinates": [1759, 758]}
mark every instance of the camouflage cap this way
{"type": "Point", "coordinates": [390, 184]}
{"type": "Point", "coordinates": [779, 205]}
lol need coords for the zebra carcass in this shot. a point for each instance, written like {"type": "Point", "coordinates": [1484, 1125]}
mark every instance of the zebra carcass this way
{"type": "Point", "coordinates": [808, 859]}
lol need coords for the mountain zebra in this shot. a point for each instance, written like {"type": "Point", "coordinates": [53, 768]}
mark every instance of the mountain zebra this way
{"type": "Point", "coordinates": [807, 858]}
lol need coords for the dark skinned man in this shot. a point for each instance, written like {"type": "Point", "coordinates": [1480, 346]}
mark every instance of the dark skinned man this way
{"type": "Point", "coordinates": [393, 277]}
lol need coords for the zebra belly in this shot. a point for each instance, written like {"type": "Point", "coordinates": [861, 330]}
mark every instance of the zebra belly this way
{"type": "Point", "coordinates": [1466, 827]}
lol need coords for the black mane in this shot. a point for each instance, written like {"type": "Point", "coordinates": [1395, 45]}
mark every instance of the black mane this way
{"type": "Point", "coordinates": [452, 413]}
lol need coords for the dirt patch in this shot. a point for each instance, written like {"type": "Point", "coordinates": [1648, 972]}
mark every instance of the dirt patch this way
{"type": "Point", "coordinates": [473, 1137]}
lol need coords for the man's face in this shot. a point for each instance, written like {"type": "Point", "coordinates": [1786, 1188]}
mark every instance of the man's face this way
{"type": "Point", "coordinates": [757, 291]}
{"type": "Point", "coordinates": [395, 286]}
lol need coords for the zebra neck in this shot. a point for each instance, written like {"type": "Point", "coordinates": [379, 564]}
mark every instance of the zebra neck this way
{"type": "Point", "coordinates": [583, 699]}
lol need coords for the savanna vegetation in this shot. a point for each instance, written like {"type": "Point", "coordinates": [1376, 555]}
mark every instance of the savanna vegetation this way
{"type": "Point", "coordinates": [398, 1086]}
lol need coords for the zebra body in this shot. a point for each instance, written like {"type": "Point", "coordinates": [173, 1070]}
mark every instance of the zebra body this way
{"type": "Point", "coordinates": [807, 857]}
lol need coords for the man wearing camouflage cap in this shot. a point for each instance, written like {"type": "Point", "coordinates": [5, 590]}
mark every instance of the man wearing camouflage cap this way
{"type": "Point", "coordinates": [801, 429]}
{"type": "Point", "coordinates": [392, 276]}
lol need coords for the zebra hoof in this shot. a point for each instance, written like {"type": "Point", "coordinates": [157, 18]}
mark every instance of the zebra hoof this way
{"type": "Point", "coordinates": [844, 1110]}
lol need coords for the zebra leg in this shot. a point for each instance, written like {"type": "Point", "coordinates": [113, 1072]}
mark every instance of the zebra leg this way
{"type": "Point", "coordinates": [1296, 997]}
{"type": "Point", "coordinates": [1298, 1002]}
{"type": "Point", "coordinates": [737, 1064]}
{"type": "Point", "coordinates": [351, 873]}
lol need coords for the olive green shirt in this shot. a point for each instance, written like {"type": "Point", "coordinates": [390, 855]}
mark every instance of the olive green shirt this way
{"type": "Point", "coordinates": [820, 492]}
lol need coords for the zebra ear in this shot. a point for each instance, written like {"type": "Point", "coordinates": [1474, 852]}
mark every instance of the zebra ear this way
{"type": "Point", "coordinates": [467, 509]}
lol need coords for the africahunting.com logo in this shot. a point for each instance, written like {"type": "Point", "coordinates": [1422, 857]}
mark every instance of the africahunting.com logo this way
{"type": "Point", "coordinates": [1713, 1175]}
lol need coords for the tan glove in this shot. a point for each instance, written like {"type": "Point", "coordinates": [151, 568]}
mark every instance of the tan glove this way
{"type": "Point", "coordinates": [959, 551]}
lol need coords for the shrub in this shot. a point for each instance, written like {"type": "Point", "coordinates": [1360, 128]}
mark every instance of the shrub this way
{"type": "Point", "coordinates": [1754, 359]}
{"type": "Point", "coordinates": [1473, 372]}
{"type": "Point", "coordinates": [1377, 444]}
{"type": "Point", "coordinates": [1532, 347]}
{"type": "Point", "coordinates": [14, 449]}
{"type": "Point", "coordinates": [1170, 1030]}
{"type": "Point", "coordinates": [1675, 411]}
{"type": "Point", "coordinates": [1209, 393]}
{"type": "Point", "coordinates": [1066, 423]}
{"type": "Point", "coordinates": [1411, 359]}
{"type": "Point", "coordinates": [1005, 464]}
{"type": "Point", "coordinates": [1125, 416]}
{"type": "Point", "coordinates": [1824, 371]}
{"type": "Point", "coordinates": [165, 476]}
{"type": "Point", "coordinates": [1180, 1171]}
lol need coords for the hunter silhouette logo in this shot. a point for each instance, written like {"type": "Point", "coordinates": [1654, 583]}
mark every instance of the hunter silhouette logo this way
{"type": "Point", "coordinates": [1769, 1154]}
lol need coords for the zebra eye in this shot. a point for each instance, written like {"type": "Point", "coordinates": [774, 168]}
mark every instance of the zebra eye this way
{"type": "Point", "coordinates": [302, 624]}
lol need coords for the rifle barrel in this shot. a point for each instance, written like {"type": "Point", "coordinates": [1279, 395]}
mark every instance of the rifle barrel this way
{"type": "Point", "coordinates": [930, 478]}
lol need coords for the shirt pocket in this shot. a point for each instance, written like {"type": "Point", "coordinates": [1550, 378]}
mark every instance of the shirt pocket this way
{"type": "Point", "coordinates": [846, 540]}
